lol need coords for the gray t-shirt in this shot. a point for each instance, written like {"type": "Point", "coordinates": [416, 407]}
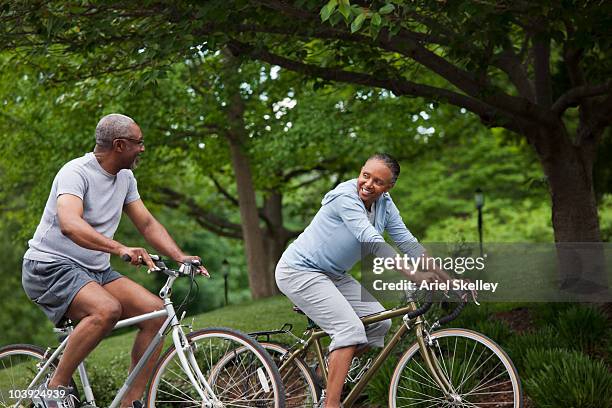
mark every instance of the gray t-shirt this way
{"type": "Point", "coordinates": [103, 195]}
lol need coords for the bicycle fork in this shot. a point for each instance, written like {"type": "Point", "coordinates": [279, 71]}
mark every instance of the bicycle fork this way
{"type": "Point", "coordinates": [436, 371]}
{"type": "Point", "coordinates": [189, 364]}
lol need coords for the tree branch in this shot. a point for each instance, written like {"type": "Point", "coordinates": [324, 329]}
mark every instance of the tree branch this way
{"type": "Point", "coordinates": [543, 86]}
{"type": "Point", "coordinates": [574, 96]}
{"type": "Point", "coordinates": [399, 86]}
{"type": "Point", "coordinates": [203, 217]}
{"type": "Point", "coordinates": [404, 42]}
{"type": "Point", "coordinates": [224, 192]}
{"type": "Point", "coordinates": [602, 116]}
{"type": "Point", "coordinates": [510, 63]}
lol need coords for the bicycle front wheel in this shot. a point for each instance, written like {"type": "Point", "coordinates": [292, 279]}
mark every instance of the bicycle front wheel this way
{"type": "Point", "coordinates": [480, 372]}
{"type": "Point", "coordinates": [19, 364]}
{"type": "Point", "coordinates": [237, 369]}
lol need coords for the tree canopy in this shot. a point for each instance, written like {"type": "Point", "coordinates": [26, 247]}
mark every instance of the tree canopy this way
{"type": "Point", "coordinates": [525, 66]}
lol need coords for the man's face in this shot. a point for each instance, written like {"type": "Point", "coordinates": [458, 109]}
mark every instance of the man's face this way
{"type": "Point", "coordinates": [374, 180]}
{"type": "Point", "coordinates": [132, 147]}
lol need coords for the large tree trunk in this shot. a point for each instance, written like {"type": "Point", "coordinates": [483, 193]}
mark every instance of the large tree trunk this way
{"type": "Point", "coordinates": [574, 207]}
{"type": "Point", "coordinates": [276, 235]}
{"type": "Point", "coordinates": [261, 281]}
{"type": "Point", "coordinates": [569, 169]}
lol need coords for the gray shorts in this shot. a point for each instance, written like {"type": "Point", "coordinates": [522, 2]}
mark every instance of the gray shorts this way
{"type": "Point", "coordinates": [53, 285]}
{"type": "Point", "coordinates": [335, 303]}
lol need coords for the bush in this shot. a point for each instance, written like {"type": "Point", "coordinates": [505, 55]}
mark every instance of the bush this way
{"type": "Point", "coordinates": [108, 378]}
{"type": "Point", "coordinates": [582, 327]}
{"type": "Point", "coordinates": [561, 378]}
{"type": "Point", "coordinates": [378, 387]}
{"type": "Point", "coordinates": [544, 338]}
{"type": "Point", "coordinates": [494, 329]}
{"type": "Point", "coordinates": [548, 313]}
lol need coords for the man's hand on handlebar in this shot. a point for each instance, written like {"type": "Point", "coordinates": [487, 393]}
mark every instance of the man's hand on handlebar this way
{"type": "Point", "coordinates": [200, 268]}
{"type": "Point", "coordinates": [137, 256]}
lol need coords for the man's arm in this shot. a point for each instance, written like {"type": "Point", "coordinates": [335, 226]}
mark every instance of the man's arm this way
{"type": "Point", "coordinates": [152, 230]}
{"type": "Point", "coordinates": [155, 233]}
{"type": "Point", "coordinates": [73, 226]}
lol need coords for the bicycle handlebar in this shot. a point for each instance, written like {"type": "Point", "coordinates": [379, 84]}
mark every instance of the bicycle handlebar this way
{"type": "Point", "coordinates": [423, 308]}
{"type": "Point", "coordinates": [186, 270]}
{"type": "Point", "coordinates": [456, 312]}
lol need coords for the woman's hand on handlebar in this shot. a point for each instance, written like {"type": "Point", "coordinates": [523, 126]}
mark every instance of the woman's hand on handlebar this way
{"type": "Point", "coordinates": [421, 276]}
{"type": "Point", "coordinates": [465, 294]}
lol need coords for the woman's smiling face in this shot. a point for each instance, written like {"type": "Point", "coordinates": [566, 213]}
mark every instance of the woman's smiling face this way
{"type": "Point", "coordinates": [374, 180]}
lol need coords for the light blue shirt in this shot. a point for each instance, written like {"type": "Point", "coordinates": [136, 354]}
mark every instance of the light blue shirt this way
{"type": "Point", "coordinates": [339, 232]}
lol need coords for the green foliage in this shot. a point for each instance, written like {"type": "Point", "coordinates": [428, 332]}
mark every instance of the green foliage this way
{"type": "Point", "coordinates": [107, 378]}
{"type": "Point", "coordinates": [560, 378]}
{"type": "Point", "coordinates": [497, 330]}
{"type": "Point", "coordinates": [582, 327]}
{"type": "Point", "coordinates": [377, 389]}
{"type": "Point", "coordinates": [21, 321]}
{"type": "Point", "coordinates": [543, 338]}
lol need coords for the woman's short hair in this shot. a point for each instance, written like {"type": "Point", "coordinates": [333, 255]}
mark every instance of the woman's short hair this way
{"type": "Point", "coordinates": [390, 162]}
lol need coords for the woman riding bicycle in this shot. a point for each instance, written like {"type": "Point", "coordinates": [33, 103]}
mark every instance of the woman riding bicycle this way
{"type": "Point", "coordinates": [312, 270]}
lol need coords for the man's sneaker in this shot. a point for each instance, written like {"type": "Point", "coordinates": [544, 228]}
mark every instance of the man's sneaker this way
{"type": "Point", "coordinates": [60, 397]}
{"type": "Point", "coordinates": [137, 404]}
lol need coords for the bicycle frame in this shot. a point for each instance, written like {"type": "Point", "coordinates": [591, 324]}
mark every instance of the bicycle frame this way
{"type": "Point", "coordinates": [314, 340]}
{"type": "Point", "coordinates": [184, 352]}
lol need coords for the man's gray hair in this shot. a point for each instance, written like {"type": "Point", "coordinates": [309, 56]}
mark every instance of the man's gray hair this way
{"type": "Point", "coordinates": [113, 126]}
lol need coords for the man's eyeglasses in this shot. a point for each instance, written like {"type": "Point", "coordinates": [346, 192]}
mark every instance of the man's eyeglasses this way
{"type": "Point", "coordinates": [139, 142]}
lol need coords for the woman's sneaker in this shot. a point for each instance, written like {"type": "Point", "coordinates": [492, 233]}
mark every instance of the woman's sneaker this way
{"type": "Point", "coordinates": [60, 397]}
{"type": "Point", "coordinates": [321, 402]}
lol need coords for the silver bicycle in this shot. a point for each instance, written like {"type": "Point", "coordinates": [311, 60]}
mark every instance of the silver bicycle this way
{"type": "Point", "coordinates": [188, 374]}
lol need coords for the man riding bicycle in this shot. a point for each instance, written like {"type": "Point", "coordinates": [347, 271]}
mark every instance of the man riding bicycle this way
{"type": "Point", "coordinates": [66, 270]}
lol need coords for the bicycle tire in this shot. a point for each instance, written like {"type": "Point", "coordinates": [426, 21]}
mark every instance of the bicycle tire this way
{"type": "Point", "coordinates": [301, 389]}
{"type": "Point", "coordinates": [458, 351]}
{"type": "Point", "coordinates": [252, 381]}
{"type": "Point", "coordinates": [19, 364]}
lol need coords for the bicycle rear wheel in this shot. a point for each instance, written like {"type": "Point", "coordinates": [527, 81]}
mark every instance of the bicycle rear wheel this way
{"type": "Point", "coordinates": [238, 370]}
{"type": "Point", "coordinates": [480, 372]}
{"type": "Point", "coordinates": [19, 364]}
{"type": "Point", "coordinates": [301, 389]}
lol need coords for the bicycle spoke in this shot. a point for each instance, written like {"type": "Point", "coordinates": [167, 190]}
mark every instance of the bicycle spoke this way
{"type": "Point", "coordinates": [467, 365]}
{"type": "Point", "coordinates": [443, 366]}
{"type": "Point", "coordinates": [482, 385]}
{"type": "Point", "coordinates": [490, 386]}
{"type": "Point", "coordinates": [424, 370]}
{"type": "Point", "coordinates": [176, 388]}
{"type": "Point", "coordinates": [420, 383]}
{"type": "Point", "coordinates": [420, 400]}
{"type": "Point", "coordinates": [476, 369]}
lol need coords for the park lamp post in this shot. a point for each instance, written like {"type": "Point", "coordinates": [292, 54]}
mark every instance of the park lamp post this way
{"type": "Point", "coordinates": [479, 200]}
{"type": "Point", "coordinates": [225, 275]}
